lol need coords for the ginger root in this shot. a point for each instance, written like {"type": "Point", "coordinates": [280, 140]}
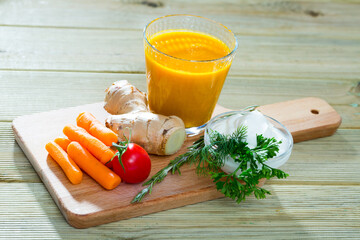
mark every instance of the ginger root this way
{"type": "Point", "coordinates": [157, 134]}
{"type": "Point", "coordinates": [122, 97]}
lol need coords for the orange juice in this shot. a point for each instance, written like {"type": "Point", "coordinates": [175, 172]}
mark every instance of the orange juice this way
{"type": "Point", "coordinates": [184, 77]}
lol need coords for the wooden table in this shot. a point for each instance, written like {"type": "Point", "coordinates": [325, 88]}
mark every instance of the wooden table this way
{"type": "Point", "coordinates": [56, 54]}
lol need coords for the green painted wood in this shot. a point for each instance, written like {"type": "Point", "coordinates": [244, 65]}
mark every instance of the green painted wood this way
{"type": "Point", "coordinates": [289, 49]}
{"type": "Point", "coordinates": [243, 16]}
{"type": "Point", "coordinates": [121, 51]}
{"type": "Point", "coordinates": [29, 92]}
{"type": "Point", "coordinates": [292, 212]}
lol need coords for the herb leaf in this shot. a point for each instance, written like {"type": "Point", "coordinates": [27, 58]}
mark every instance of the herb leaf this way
{"type": "Point", "coordinates": [209, 158]}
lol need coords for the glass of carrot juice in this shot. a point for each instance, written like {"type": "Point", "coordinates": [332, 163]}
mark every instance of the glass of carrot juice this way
{"type": "Point", "coordinates": [187, 59]}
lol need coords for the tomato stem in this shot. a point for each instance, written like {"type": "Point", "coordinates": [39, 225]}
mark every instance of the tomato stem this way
{"type": "Point", "coordinates": [122, 147]}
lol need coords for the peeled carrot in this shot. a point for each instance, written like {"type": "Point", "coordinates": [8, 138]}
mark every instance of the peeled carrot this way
{"type": "Point", "coordinates": [104, 134]}
{"type": "Point", "coordinates": [71, 170]}
{"type": "Point", "coordinates": [62, 142]}
{"type": "Point", "coordinates": [87, 162]}
{"type": "Point", "coordinates": [87, 121]}
{"type": "Point", "coordinates": [92, 144]}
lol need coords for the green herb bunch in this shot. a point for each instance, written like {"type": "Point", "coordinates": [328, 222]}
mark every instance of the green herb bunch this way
{"type": "Point", "coordinates": [209, 158]}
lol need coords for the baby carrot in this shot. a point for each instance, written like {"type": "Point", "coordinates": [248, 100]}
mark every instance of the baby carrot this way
{"type": "Point", "coordinates": [87, 121]}
{"type": "Point", "coordinates": [62, 142]}
{"type": "Point", "coordinates": [87, 162]}
{"type": "Point", "coordinates": [92, 144]}
{"type": "Point", "coordinates": [71, 170]}
{"type": "Point", "coordinates": [103, 133]}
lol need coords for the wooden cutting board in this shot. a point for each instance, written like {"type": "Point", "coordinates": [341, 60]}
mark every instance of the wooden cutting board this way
{"type": "Point", "coordinates": [88, 204]}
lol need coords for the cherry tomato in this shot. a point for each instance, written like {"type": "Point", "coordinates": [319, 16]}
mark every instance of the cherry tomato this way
{"type": "Point", "coordinates": [136, 162]}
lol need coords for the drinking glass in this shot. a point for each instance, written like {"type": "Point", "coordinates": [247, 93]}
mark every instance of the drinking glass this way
{"type": "Point", "coordinates": [183, 87]}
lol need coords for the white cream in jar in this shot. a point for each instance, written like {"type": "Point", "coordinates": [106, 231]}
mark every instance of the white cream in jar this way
{"type": "Point", "coordinates": [256, 124]}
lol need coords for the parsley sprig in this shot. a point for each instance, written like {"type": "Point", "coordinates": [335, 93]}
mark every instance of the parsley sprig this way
{"type": "Point", "coordinates": [209, 158]}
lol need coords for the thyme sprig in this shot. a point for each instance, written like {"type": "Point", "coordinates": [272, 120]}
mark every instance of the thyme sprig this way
{"type": "Point", "coordinates": [209, 158]}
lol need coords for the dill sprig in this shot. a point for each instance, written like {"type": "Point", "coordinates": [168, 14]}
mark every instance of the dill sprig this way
{"type": "Point", "coordinates": [209, 158]}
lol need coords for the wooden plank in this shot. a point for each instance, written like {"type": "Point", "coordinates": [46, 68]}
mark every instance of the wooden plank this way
{"type": "Point", "coordinates": [71, 49]}
{"type": "Point", "coordinates": [43, 91]}
{"type": "Point", "coordinates": [83, 206]}
{"type": "Point", "coordinates": [306, 118]}
{"type": "Point", "coordinates": [16, 168]}
{"type": "Point", "coordinates": [331, 160]}
{"type": "Point", "coordinates": [122, 51]}
{"type": "Point", "coordinates": [306, 212]}
{"type": "Point", "coordinates": [334, 18]}
{"type": "Point", "coordinates": [294, 211]}
{"type": "Point", "coordinates": [328, 160]}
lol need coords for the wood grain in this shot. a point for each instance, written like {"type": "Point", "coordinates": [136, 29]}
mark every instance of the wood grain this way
{"type": "Point", "coordinates": [121, 51]}
{"type": "Point", "coordinates": [320, 199]}
{"type": "Point", "coordinates": [83, 205]}
{"type": "Point", "coordinates": [306, 118]}
{"type": "Point", "coordinates": [328, 168]}
{"type": "Point", "coordinates": [285, 214]}
{"type": "Point", "coordinates": [44, 91]}
{"type": "Point", "coordinates": [318, 18]}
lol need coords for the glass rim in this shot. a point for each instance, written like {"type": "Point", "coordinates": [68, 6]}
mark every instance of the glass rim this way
{"type": "Point", "coordinates": [231, 113]}
{"type": "Point", "coordinates": [182, 59]}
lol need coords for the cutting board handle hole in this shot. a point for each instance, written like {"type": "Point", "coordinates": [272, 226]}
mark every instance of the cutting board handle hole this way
{"type": "Point", "coordinates": [314, 111]}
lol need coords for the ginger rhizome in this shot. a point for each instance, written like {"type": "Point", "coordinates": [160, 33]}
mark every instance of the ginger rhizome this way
{"type": "Point", "coordinates": [156, 133]}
